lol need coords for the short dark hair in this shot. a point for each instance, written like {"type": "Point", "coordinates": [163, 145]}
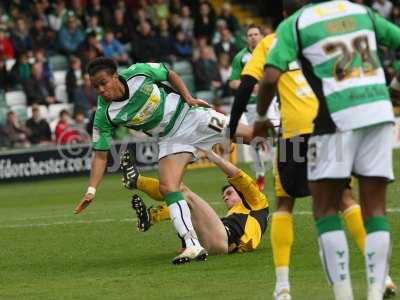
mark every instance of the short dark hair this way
{"type": "Point", "coordinates": [251, 26]}
{"type": "Point", "coordinates": [237, 191]}
{"type": "Point", "coordinates": [102, 64]}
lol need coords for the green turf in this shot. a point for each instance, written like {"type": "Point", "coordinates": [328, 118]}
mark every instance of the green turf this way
{"type": "Point", "coordinates": [47, 252]}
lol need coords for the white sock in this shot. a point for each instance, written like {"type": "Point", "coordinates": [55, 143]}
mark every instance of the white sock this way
{"type": "Point", "coordinates": [377, 251]}
{"type": "Point", "coordinates": [334, 254]}
{"type": "Point", "coordinates": [181, 217]}
{"type": "Point", "coordinates": [282, 278]}
{"type": "Point", "coordinates": [259, 166]}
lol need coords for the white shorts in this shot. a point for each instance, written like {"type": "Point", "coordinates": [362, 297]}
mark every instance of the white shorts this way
{"type": "Point", "coordinates": [201, 128]}
{"type": "Point", "coordinates": [363, 152]}
{"type": "Point", "coordinates": [273, 113]}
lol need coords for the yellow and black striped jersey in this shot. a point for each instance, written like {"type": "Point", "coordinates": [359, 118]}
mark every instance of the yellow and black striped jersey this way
{"type": "Point", "coordinates": [298, 103]}
{"type": "Point", "coordinates": [246, 222]}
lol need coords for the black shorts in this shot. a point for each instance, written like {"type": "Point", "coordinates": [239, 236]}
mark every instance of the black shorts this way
{"type": "Point", "coordinates": [291, 167]}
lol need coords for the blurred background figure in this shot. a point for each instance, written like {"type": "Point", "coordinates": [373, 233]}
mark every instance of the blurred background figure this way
{"type": "Point", "coordinates": [40, 132]}
{"type": "Point", "coordinates": [38, 88]}
{"type": "Point", "coordinates": [16, 132]}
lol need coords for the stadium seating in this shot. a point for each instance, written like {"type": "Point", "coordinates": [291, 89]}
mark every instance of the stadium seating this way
{"type": "Point", "coordinates": [189, 81]}
{"type": "Point", "coordinates": [183, 67]}
{"type": "Point", "coordinates": [61, 93]}
{"type": "Point", "coordinates": [20, 111]}
{"type": "Point", "coordinates": [59, 77]}
{"type": "Point", "coordinates": [58, 62]}
{"type": "Point", "coordinates": [209, 96]}
{"type": "Point", "coordinates": [15, 98]}
{"type": "Point", "coordinates": [9, 63]}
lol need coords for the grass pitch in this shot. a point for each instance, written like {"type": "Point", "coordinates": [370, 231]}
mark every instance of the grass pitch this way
{"type": "Point", "coordinates": [47, 252]}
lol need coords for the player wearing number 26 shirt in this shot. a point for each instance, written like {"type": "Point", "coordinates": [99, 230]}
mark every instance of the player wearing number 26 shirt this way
{"type": "Point", "coordinates": [336, 43]}
{"type": "Point", "coordinates": [137, 98]}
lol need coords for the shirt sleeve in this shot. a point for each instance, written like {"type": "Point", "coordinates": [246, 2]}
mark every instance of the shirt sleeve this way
{"type": "Point", "coordinates": [251, 193]}
{"type": "Point", "coordinates": [236, 67]}
{"type": "Point", "coordinates": [285, 48]}
{"type": "Point", "coordinates": [387, 33]}
{"type": "Point", "coordinates": [103, 131]}
{"type": "Point", "coordinates": [156, 71]}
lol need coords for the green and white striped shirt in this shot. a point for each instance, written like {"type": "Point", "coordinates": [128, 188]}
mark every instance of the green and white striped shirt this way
{"type": "Point", "coordinates": [336, 43]}
{"type": "Point", "coordinates": [147, 107]}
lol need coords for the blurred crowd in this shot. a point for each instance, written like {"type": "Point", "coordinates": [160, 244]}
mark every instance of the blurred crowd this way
{"type": "Point", "coordinates": [46, 45]}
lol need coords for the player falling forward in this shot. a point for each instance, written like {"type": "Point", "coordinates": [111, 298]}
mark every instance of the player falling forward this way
{"type": "Point", "coordinates": [242, 228]}
{"type": "Point", "coordinates": [336, 42]}
{"type": "Point", "coordinates": [137, 99]}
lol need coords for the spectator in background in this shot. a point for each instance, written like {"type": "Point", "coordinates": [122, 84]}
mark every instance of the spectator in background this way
{"type": "Point", "coordinates": [21, 70]}
{"type": "Point", "coordinates": [182, 46]}
{"type": "Point", "coordinates": [20, 37]}
{"type": "Point", "coordinates": [42, 37]}
{"type": "Point", "coordinates": [175, 6]}
{"type": "Point", "coordinates": [225, 69]}
{"type": "Point", "coordinates": [160, 11]}
{"type": "Point", "coordinates": [58, 17]}
{"type": "Point", "coordinates": [40, 57]}
{"type": "Point", "coordinates": [206, 73]}
{"type": "Point", "coordinates": [144, 44]}
{"type": "Point", "coordinates": [85, 97]}
{"type": "Point", "coordinates": [93, 27]}
{"type": "Point", "coordinates": [88, 54]}
{"type": "Point", "coordinates": [228, 17]}
{"type": "Point", "coordinates": [79, 125]}
{"type": "Point", "coordinates": [74, 78]}
{"type": "Point", "coordinates": [174, 23]}
{"type": "Point", "coordinates": [204, 22]}
{"type": "Point", "coordinates": [225, 45]}
{"type": "Point", "coordinates": [396, 14]}
{"type": "Point", "coordinates": [164, 41]}
{"type": "Point", "coordinates": [122, 28]}
{"type": "Point", "coordinates": [70, 36]}
{"type": "Point", "coordinates": [38, 11]}
{"type": "Point", "coordinates": [37, 88]}
{"type": "Point", "coordinates": [77, 8]}
{"type": "Point", "coordinates": [39, 128]}
{"type": "Point", "coordinates": [383, 7]}
{"type": "Point", "coordinates": [95, 7]}
{"type": "Point", "coordinates": [112, 48]}
{"type": "Point", "coordinates": [187, 22]}
{"type": "Point", "coordinates": [141, 16]}
{"type": "Point", "coordinates": [16, 132]}
{"type": "Point", "coordinates": [6, 47]}
{"type": "Point", "coordinates": [5, 83]}
{"type": "Point", "coordinates": [64, 132]}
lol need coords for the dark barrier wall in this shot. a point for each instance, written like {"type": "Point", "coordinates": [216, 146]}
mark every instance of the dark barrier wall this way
{"type": "Point", "coordinates": [68, 161]}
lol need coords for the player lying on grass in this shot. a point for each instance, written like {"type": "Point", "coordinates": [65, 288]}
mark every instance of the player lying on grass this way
{"type": "Point", "coordinates": [240, 230]}
{"type": "Point", "coordinates": [136, 98]}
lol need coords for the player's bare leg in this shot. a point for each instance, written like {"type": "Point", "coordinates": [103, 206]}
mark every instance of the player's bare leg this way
{"type": "Point", "coordinates": [327, 196]}
{"type": "Point", "coordinates": [282, 241]}
{"type": "Point", "coordinates": [377, 244]}
{"type": "Point", "coordinates": [171, 170]}
{"type": "Point", "coordinates": [208, 225]}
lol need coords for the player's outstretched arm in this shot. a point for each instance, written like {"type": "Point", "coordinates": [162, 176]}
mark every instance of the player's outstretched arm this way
{"type": "Point", "coordinates": [177, 83]}
{"type": "Point", "coordinates": [99, 163]}
{"type": "Point", "coordinates": [226, 166]}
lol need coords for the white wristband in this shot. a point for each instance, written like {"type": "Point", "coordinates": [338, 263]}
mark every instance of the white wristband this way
{"type": "Point", "coordinates": [91, 190]}
{"type": "Point", "coordinates": [260, 118]}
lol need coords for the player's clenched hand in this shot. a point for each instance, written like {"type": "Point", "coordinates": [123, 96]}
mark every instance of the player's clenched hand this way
{"type": "Point", "coordinates": [198, 102]}
{"type": "Point", "coordinates": [263, 129]}
{"type": "Point", "coordinates": [86, 200]}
